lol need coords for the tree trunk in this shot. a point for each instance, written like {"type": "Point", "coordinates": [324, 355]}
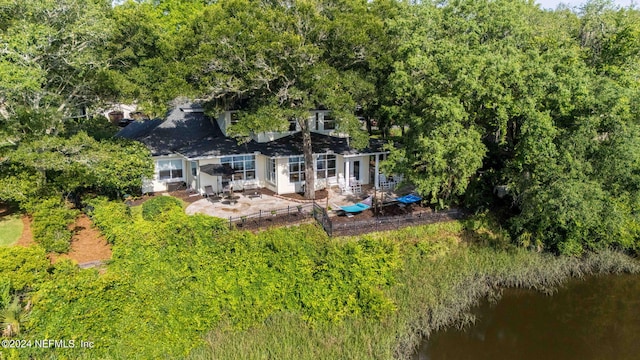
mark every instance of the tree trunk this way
{"type": "Point", "coordinates": [309, 173]}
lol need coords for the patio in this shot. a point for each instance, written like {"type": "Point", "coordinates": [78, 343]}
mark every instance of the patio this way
{"type": "Point", "coordinates": [247, 204]}
{"type": "Point", "coordinates": [243, 206]}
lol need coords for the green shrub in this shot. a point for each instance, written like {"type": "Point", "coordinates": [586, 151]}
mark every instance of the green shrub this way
{"type": "Point", "coordinates": [22, 267]}
{"type": "Point", "coordinates": [110, 217]}
{"type": "Point", "coordinates": [156, 206]}
{"type": "Point", "coordinates": [51, 220]}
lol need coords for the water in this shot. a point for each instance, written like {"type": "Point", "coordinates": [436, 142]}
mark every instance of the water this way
{"type": "Point", "coordinates": [597, 318]}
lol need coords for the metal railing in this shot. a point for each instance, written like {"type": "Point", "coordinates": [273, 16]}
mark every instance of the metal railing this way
{"type": "Point", "coordinates": [265, 217]}
{"type": "Point", "coordinates": [357, 227]}
{"type": "Point", "coordinates": [297, 213]}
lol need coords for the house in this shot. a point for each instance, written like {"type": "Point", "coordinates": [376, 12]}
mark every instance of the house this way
{"type": "Point", "coordinates": [188, 146]}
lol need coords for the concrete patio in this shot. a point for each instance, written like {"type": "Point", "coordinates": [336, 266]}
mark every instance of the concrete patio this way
{"type": "Point", "coordinates": [250, 205]}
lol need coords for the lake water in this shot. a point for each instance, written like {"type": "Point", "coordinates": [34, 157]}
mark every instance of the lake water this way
{"type": "Point", "coordinates": [596, 318]}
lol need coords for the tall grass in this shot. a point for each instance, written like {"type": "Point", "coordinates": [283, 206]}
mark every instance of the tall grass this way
{"type": "Point", "coordinates": [440, 279]}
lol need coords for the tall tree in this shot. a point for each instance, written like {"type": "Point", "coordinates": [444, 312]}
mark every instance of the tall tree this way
{"type": "Point", "coordinates": [52, 63]}
{"type": "Point", "coordinates": [284, 59]}
{"type": "Point", "coordinates": [148, 50]}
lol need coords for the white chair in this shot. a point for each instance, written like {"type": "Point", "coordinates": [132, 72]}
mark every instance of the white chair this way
{"type": "Point", "coordinates": [384, 183]}
{"type": "Point", "coordinates": [356, 187]}
{"type": "Point", "coordinates": [342, 185]}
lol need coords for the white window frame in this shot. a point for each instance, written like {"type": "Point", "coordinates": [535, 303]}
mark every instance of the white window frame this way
{"type": "Point", "coordinates": [322, 166]}
{"type": "Point", "coordinates": [296, 167]}
{"type": "Point", "coordinates": [331, 120]}
{"type": "Point", "coordinates": [271, 170]}
{"type": "Point", "coordinates": [244, 166]}
{"type": "Point", "coordinates": [175, 167]}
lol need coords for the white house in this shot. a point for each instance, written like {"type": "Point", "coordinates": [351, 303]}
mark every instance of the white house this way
{"type": "Point", "coordinates": [189, 147]}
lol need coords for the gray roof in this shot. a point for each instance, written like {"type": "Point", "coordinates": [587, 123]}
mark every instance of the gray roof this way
{"type": "Point", "coordinates": [179, 129]}
{"type": "Point", "coordinates": [189, 132]}
{"type": "Point", "coordinates": [320, 143]}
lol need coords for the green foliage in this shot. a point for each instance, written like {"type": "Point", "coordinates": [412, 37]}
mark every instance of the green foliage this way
{"type": "Point", "coordinates": [21, 269]}
{"type": "Point", "coordinates": [155, 207]}
{"type": "Point", "coordinates": [110, 217]}
{"type": "Point", "coordinates": [12, 317]}
{"type": "Point", "coordinates": [54, 54]}
{"type": "Point", "coordinates": [181, 275]}
{"type": "Point", "coordinates": [63, 166]}
{"type": "Point", "coordinates": [51, 220]}
{"type": "Point", "coordinates": [441, 163]}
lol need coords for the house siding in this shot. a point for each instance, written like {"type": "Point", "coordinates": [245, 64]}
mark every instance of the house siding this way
{"type": "Point", "coordinates": [206, 179]}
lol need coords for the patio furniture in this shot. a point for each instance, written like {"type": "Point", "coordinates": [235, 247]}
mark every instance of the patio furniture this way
{"type": "Point", "coordinates": [342, 185]}
{"type": "Point", "coordinates": [252, 190]}
{"type": "Point", "coordinates": [408, 200]}
{"type": "Point", "coordinates": [384, 182]}
{"type": "Point", "coordinates": [210, 194]}
{"type": "Point", "coordinates": [175, 186]}
{"type": "Point", "coordinates": [359, 207]}
{"type": "Point", "coordinates": [356, 187]}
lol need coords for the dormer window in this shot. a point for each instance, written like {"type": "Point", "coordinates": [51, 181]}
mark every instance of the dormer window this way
{"type": "Point", "coordinates": [329, 122]}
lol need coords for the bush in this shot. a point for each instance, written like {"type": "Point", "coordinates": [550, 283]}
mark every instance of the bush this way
{"type": "Point", "coordinates": [110, 217]}
{"type": "Point", "coordinates": [51, 220]}
{"type": "Point", "coordinates": [156, 206]}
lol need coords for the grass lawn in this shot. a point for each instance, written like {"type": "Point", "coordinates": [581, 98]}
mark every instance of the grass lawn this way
{"type": "Point", "coordinates": [10, 229]}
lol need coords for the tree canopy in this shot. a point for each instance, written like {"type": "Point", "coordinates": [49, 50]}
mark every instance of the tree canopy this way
{"type": "Point", "coordinates": [542, 105]}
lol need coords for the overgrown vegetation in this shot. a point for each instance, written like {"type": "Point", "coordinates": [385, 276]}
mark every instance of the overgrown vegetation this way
{"type": "Point", "coordinates": [187, 286]}
{"type": "Point", "coordinates": [498, 104]}
{"type": "Point", "coordinates": [51, 220]}
{"type": "Point", "coordinates": [153, 208]}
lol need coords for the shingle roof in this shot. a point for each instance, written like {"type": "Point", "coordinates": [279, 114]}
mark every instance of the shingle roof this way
{"type": "Point", "coordinates": [179, 129]}
{"type": "Point", "coordinates": [320, 143]}
{"type": "Point", "coordinates": [194, 135]}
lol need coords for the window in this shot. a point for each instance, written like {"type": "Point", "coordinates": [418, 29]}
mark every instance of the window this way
{"type": "Point", "coordinates": [329, 122]}
{"type": "Point", "coordinates": [296, 168]}
{"type": "Point", "coordinates": [194, 168]}
{"type": "Point", "coordinates": [169, 169]}
{"type": "Point", "coordinates": [244, 166]}
{"type": "Point", "coordinates": [325, 166]}
{"type": "Point", "coordinates": [271, 170]}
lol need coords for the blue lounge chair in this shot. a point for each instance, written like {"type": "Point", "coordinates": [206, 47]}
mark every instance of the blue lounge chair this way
{"type": "Point", "coordinates": [359, 207]}
{"type": "Point", "coordinates": [409, 199]}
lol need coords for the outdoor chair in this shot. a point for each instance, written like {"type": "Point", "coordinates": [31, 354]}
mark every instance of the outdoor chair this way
{"type": "Point", "coordinates": [210, 194]}
{"type": "Point", "coordinates": [384, 183]}
{"type": "Point", "coordinates": [356, 187]}
{"type": "Point", "coordinates": [342, 185]}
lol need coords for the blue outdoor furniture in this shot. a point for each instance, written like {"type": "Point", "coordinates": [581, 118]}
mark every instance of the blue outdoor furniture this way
{"type": "Point", "coordinates": [359, 207]}
{"type": "Point", "coordinates": [409, 199]}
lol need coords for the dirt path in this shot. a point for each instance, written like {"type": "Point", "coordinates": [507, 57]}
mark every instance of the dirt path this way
{"type": "Point", "coordinates": [87, 244]}
{"type": "Point", "coordinates": [26, 238]}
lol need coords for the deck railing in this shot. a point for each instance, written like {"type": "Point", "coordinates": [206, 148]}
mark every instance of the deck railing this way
{"type": "Point", "coordinates": [356, 226]}
{"type": "Point", "coordinates": [264, 217]}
